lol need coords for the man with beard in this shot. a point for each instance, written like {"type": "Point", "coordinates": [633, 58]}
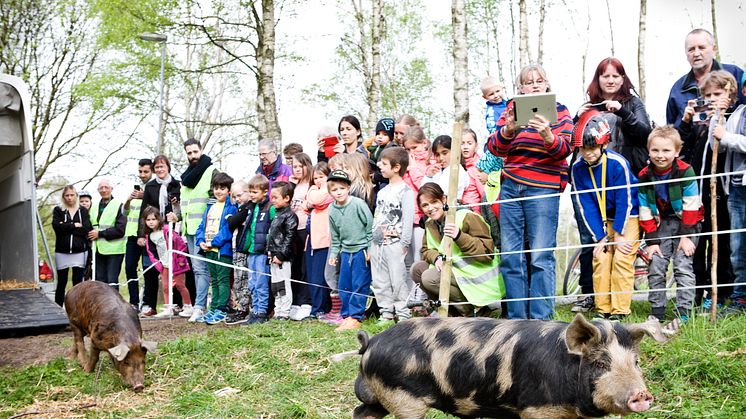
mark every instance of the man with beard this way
{"type": "Point", "coordinates": [133, 252]}
{"type": "Point", "coordinates": [195, 191]}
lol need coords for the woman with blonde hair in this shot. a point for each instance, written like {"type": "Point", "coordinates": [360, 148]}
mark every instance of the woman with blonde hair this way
{"type": "Point", "coordinates": [356, 166]}
{"type": "Point", "coordinates": [71, 225]}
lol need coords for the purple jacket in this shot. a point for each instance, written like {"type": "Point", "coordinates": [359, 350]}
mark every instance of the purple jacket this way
{"type": "Point", "coordinates": [280, 172]}
{"type": "Point", "coordinates": [179, 263]}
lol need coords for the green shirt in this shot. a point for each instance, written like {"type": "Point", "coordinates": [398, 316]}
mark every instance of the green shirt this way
{"type": "Point", "coordinates": [351, 226]}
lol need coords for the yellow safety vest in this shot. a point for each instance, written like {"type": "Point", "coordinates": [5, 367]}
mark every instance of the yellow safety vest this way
{"type": "Point", "coordinates": [480, 282]}
{"type": "Point", "coordinates": [194, 202]}
{"type": "Point", "coordinates": [108, 220]}
{"type": "Point", "coordinates": [133, 218]}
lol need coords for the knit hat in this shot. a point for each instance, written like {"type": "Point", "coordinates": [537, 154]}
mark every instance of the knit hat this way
{"type": "Point", "coordinates": [489, 163]}
{"type": "Point", "coordinates": [386, 124]}
{"type": "Point", "coordinates": [339, 175]}
{"type": "Point", "coordinates": [591, 129]}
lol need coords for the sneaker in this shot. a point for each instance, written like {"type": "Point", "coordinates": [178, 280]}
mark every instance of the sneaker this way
{"type": "Point", "coordinates": [333, 320]}
{"type": "Point", "coordinates": [217, 317]}
{"type": "Point", "coordinates": [416, 297]}
{"type": "Point", "coordinates": [600, 316]}
{"type": "Point", "coordinates": [349, 323]}
{"type": "Point", "coordinates": [319, 316]}
{"type": "Point", "coordinates": [255, 318]}
{"type": "Point", "coordinates": [584, 305]}
{"type": "Point", "coordinates": [616, 318]}
{"type": "Point", "coordinates": [737, 307]}
{"type": "Point", "coordinates": [197, 314]}
{"type": "Point", "coordinates": [187, 311]}
{"type": "Point", "coordinates": [167, 312]}
{"type": "Point", "coordinates": [293, 310]}
{"type": "Point", "coordinates": [147, 311]}
{"type": "Point", "coordinates": [301, 313]}
{"type": "Point", "coordinates": [280, 317]}
{"type": "Point", "coordinates": [706, 306]}
{"type": "Point", "coordinates": [659, 313]}
{"type": "Point", "coordinates": [237, 317]}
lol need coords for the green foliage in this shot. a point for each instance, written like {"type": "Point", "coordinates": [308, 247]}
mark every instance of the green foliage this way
{"type": "Point", "coordinates": [282, 370]}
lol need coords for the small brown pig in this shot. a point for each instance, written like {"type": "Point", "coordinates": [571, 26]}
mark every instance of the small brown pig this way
{"type": "Point", "coordinates": [483, 367]}
{"type": "Point", "coordinates": [98, 311]}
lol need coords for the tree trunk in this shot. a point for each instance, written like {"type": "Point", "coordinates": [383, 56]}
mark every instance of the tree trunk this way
{"type": "Point", "coordinates": [542, 16]}
{"type": "Point", "coordinates": [460, 62]}
{"type": "Point", "coordinates": [525, 57]}
{"type": "Point", "coordinates": [374, 94]}
{"type": "Point", "coordinates": [266, 104]}
{"type": "Point", "coordinates": [584, 57]}
{"type": "Point", "coordinates": [611, 28]}
{"type": "Point", "coordinates": [641, 47]}
{"type": "Point", "coordinates": [714, 28]}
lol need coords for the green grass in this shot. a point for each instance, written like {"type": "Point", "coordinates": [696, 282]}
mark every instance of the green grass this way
{"type": "Point", "coordinates": [282, 370]}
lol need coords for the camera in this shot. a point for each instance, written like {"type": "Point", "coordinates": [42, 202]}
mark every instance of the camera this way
{"type": "Point", "coordinates": [701, 106]}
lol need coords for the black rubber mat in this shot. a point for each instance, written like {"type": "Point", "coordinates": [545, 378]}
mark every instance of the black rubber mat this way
{"type": "Point", "coordinates": [24, 309]}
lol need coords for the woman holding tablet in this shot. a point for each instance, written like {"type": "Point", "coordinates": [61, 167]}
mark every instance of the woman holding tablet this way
{"type": "Point", "coordinates": [534, 165]}
{"type": "Point", "coordinates": [612, 92]}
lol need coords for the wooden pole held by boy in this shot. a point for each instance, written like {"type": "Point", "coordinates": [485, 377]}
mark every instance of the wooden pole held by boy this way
{"type": "Point", "coordinates": [453, 170]}
{"type": "Point", "coordinates": [714, 218]}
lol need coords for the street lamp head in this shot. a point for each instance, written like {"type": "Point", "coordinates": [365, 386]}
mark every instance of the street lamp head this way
{"type": "Point", "coordinates": [153, 37]}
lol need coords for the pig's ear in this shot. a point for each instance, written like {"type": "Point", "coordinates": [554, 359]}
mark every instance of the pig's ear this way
{"type": "Point", "coordinates": [119, 352]}
{"type": "Point", "coordinates": [581, 336]}
{"type": "Point", "coordinates": [149, 345]}
{"type": "Point", "coordinates": [650, 328]}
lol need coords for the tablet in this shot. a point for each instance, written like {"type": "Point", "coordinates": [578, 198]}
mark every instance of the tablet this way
{"type": "Point", "coordinates": [526, 106]}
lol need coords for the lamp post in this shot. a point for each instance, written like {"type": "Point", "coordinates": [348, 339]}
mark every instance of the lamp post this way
{"type": "Point", "coordinates": [160, 38]}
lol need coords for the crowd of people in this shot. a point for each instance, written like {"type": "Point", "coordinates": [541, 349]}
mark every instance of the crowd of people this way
{"type": "Point", "coordinates": [300, 240]}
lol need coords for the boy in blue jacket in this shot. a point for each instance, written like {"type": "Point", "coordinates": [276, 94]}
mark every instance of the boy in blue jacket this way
{"type": "Point", "coordinates": [215, 240]}
{"type": "Point", "coordinates": [610, 215]}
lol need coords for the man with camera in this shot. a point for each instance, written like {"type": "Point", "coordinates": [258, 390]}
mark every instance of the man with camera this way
{"type": "Point", "coordinates": [700, 51]}
{"type": "Point", "coordinates": [133, 252]}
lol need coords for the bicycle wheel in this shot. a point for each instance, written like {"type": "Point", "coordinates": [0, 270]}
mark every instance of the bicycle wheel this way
{"type": "Point", "coordinates": [571, 281]}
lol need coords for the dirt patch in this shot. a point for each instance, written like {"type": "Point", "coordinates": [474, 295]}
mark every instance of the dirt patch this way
{"type": "Point", "coordinates": [39, 349]}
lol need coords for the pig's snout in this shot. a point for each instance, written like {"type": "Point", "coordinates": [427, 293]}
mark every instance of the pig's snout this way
{"type": "Point", "coordinates": [138, 387]}
{"type": "Point", "coordinates": [640, 401]}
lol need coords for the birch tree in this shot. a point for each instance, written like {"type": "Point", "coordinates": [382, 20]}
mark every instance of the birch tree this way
{"type": "Point", "coordinates": [523, 50]}
{"type": "Point", "coordinates": [642, 28]}
{"type": "Point", "coordinates": [542, 17]}
{"type": "Point", "coordinates": [460, 62]}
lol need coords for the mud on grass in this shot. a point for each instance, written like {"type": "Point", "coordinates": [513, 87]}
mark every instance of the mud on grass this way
{"type": "Point", "coordinates": [281, 369]}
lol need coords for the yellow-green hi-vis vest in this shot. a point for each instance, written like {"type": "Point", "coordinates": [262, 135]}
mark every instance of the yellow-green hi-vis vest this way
{"type": "Point", "coordinates": [480, 282]}
{"type": "Point", "coordinates": [108, 220]}
{"type": "Point", "coordinates": [194, 202]}
{"type": "Point", "coordinates": [133, 218]}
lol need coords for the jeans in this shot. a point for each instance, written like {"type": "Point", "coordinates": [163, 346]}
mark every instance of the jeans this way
{"type": "Point", "coordinates": [586, 253]}
{"type": "Point", "coordinates": [316, 268]}
{"type": "Point", "coordinates": [201, 275]}
{"type": "Point", "coordinates": [132, 256]}
{"type": "Point", "coordinates": [258, 282]}
{"type": "Point", "coordinates": [108, 268]}
{"type": "Point", "coordinates": [354, 283]}
{"type": "Point", "coordinates": [535, 219]}
{"type": "Point", "coordinates": [737, 209]}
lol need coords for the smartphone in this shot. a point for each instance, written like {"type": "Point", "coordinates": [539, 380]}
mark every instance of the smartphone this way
{"type": "Point", "coordinates": [138, 188]}
{"type": "Point", "coordinates": [601, 107]}
{"type": "Point", "coordinates": [329, 143]}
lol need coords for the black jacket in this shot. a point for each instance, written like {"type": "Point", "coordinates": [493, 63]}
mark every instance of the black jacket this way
{"type": "Point", "coordinates": [241, 223]}
{"type": "Point", "coordinates": [151, 196]}
{"type": "Point", "coordinates": [70, 239]}
{"type": "Point", "coordinates": [634, 128]}
{"type": "Point", "coordinates": [282, 233]}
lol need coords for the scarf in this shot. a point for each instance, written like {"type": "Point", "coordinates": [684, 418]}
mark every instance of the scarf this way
{"type": "Point", "coordinates": [163, 193]}
{"type": "Point", "coordinates": [191, 176]}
